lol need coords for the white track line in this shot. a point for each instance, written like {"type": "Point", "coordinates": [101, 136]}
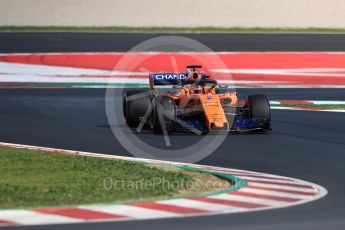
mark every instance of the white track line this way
{"type": "Point", "coordinates": [273, 186]}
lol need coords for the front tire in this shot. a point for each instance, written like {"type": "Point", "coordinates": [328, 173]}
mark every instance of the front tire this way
{"type": "Point", "coordinates": [259, 108]}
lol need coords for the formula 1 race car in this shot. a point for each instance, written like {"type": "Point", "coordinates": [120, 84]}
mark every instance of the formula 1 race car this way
{"type": "Point", "coordinates": [195, 103]}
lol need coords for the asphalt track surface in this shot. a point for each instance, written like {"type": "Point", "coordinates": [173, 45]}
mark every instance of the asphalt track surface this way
{"type": "Point", "coordinates": [304, 144]}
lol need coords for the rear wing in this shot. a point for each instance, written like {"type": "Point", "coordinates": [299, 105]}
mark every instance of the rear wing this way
{"type": "Point", "coordinates": [166, 79]}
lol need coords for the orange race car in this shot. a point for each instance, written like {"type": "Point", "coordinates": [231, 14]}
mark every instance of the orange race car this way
{"type": "Point", "coordinates": [195, 103]}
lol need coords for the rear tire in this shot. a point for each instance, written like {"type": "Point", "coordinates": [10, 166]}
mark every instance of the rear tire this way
{"type": "Point", "coordinates": [134, 109]}
{"type": "Point", "coordinates": [259, 107]}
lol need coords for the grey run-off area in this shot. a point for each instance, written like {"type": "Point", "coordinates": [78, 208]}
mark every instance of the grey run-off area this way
{"type": "Point", "coordinates": [175, 13]}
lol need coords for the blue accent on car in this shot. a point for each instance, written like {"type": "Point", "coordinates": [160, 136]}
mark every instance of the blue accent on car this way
{"type": "Point", "coordinates": [247, 123]}
{"type": "Point", "coordinates": [168, 78]}
{"type": "Point", "coordinates": [192, 124]}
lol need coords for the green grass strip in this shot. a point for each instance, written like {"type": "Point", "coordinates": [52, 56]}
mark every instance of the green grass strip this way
{"type": "Point", "coordinates": [123, 29]}
{"type": "Point", "coordinates": [35, 178]}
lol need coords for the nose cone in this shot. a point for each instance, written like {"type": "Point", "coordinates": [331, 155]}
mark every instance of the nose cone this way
{"type": "Point", "coordinates": [219, 124]}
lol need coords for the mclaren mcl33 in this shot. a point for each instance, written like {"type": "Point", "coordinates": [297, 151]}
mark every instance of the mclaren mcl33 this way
{"type": "Point", "coordinates": [193, 102]}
